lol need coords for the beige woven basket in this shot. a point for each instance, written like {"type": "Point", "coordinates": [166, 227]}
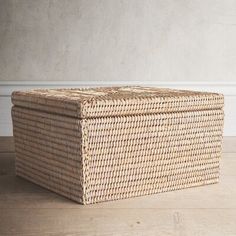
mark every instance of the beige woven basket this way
{"type": "Point", "coordinates": [101, 144]}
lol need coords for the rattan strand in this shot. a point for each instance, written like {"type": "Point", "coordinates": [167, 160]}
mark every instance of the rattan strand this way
{"type": "Point", "coordinates": [108, 158]}
{"type": "Point", "coordinates": [116, 101]}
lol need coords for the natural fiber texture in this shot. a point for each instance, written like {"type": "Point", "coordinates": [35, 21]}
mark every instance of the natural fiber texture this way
{"type": "Point", "coordinates": [120, 156]}
{"type": "Point", "coordinates": [116, 101]}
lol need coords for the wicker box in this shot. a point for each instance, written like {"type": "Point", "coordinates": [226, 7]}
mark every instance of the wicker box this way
{"type": "Point", "coordinates": [101, 144]}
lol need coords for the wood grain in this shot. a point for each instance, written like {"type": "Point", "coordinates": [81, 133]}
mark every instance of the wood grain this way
{"type": "Point", "coordinates": [7, 144]}
{"type": "Point", "coordinates": [164, 222]}
{"type": "Point", "coordinates": [229, 144]}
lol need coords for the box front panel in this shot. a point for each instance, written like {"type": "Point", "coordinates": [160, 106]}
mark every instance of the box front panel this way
{"type": "Point", "coordinates": [137, 155]}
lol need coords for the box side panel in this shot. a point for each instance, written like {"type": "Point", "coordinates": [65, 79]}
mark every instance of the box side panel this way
{"type": "Point", "coordinates": [48, 151]}
{"type": "Point", "coordinates": [137, 155]}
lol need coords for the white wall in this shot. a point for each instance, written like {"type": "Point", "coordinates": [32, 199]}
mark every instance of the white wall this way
{"type": "Point", "coordinates": [118, 40]}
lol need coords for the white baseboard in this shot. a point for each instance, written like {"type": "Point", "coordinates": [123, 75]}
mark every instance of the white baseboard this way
{"type": "Point", "coordinates": [228, 89]}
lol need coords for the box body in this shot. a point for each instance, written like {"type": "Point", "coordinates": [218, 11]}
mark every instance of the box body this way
{"type": "Point", "coordinates": [95, 159]}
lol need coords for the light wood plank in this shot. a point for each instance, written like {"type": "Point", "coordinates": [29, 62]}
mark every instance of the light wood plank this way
{"type": "Point", "coordinates": [7, 164]}
{"type": "Point", "coordinates": [229, 144]}
{"type": "Point", "coordinates": [7, 144]}
{"type": "Point", "coordinates": [85, 221]}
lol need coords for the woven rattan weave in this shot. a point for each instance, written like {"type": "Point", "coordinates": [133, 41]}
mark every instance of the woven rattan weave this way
{"type": "Point", "coordinates": [101, 144]}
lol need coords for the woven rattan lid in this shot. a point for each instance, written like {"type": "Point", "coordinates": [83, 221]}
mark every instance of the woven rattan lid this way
{"type": "Point", "coordinates": [116, 101]}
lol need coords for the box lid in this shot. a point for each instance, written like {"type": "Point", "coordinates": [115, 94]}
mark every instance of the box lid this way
{"type": "Point", "coordinates": [116, 101]}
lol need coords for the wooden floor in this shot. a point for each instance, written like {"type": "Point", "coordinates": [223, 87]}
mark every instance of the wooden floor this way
{"type": "Point", "coordinates": [27, 209]}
